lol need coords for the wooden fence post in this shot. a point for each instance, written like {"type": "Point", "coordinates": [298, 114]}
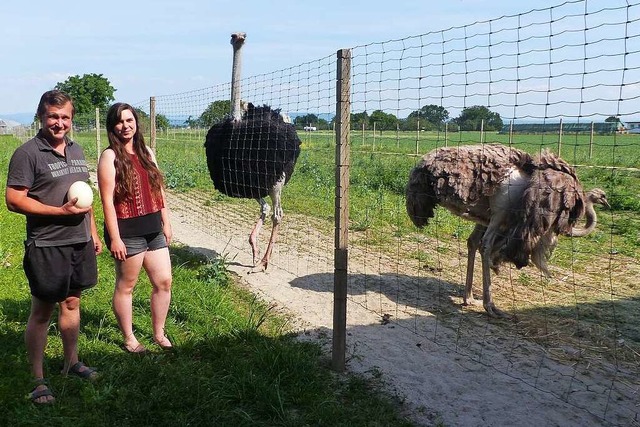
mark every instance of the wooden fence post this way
{"type": "Point", "coordinates": [591, 141]}
{"type": "Point", "coordinates": [510, 133]}
{"type": "Point", "coordinates": [418, 138]}
{"type": "Point", "coordinates": [341, 258]}
{"type": "Point", "coordinates": [373, 146]}
{"type": "Point", "coordinates": [446, 134]}
{"type": "Point", "coordinates": [152, 124]}
{"type": "Point", "coordinates": [560, 140]}
{"type": "Point", "coordinates": [97, 133]}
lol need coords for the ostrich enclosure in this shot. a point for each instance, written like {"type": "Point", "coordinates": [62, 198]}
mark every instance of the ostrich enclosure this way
{"type": "Point", "coordinates": [566, 69]}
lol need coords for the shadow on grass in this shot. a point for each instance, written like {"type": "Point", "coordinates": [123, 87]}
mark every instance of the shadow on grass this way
{"type": "Point", "coordinates": [243, 379]}
{"type": "Point", "coordinates": [236, 375]}
{"type": "Point", "coordinates": [223, 370]}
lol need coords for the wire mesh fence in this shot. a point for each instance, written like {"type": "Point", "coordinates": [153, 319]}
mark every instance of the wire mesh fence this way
{"type": "Point", "coordinates": [565, 78]}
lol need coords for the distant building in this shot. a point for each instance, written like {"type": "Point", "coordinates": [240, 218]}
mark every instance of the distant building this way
{"type": "Point", "coordinates": [4, 127]}
{"type": "Point", "coordinates": [632, 127]}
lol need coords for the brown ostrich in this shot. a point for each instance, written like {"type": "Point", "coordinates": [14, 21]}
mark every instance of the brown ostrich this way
{"type": "Point", "coordinates": [520, 204]}
{"type": "Point", "coordinates": [252, 154]}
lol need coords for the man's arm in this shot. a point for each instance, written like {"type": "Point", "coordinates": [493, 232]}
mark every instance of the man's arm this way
{"type": "Point", "coordinates": [18, 201]}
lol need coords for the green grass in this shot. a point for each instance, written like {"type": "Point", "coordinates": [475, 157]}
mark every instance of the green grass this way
{"type": "Point", "coordinates": [235, 361]}
{"type": "Point", "coordinates": [597, 311]}
{"type": "Point", "coordinates": [379, 168]}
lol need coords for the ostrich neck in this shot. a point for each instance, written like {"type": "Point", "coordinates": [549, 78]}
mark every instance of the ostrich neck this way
{"type": "Point", "coordinates": [590, 224]}
{"type": "Point", "coordinates": [235, 82]}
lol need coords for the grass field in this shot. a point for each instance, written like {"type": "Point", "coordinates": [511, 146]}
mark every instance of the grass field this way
{"type": "Point", "coordinates": [235, 361]}
{"type": "Point", "coordinates": [379, 167]}
{"type": "Point", "coordinates": [595, 307]}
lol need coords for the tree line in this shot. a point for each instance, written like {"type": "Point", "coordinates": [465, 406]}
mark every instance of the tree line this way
{"type": "Point", "coordinates": [429, 117]}
{"type": "Point", "coordinates": [94, 90]}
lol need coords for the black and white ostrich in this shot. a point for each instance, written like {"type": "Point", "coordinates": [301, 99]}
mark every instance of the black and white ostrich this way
{"type": "Point", "coordinates": [252, 154]}
{"type": "Point", "coordinates": [520, 204]}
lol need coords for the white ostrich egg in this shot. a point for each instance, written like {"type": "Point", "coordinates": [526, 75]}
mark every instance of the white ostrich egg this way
{"type": "Point", "coordinates": [83, 192]}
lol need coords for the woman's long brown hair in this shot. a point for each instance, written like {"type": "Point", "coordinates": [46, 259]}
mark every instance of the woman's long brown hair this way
{"type": "Point", "coordinates": [122, 163]}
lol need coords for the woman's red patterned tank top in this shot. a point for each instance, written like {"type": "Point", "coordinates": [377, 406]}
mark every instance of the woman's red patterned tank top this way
{"type": "Point", "coordinates": [143, 202]}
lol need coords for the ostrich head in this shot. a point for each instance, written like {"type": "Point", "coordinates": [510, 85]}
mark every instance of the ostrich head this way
{"type": "Point", "coordinates": [237, 41]}
{"type": "Point", "coordinates": [593, 197]}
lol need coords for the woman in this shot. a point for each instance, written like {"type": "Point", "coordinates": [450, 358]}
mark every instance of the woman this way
{"type": "Point", "coordinates": [137, 226]}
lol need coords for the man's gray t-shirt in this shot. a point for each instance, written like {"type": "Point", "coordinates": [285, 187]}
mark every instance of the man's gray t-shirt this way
{"type": "Point", "coordinates": [48, 175]}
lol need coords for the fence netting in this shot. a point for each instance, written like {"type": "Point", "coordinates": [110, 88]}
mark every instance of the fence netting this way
{"type": "Point", "coordinates": [565, 78]}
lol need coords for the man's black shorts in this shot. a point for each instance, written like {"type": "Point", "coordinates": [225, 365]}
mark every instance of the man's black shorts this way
{"type": "Point", "coordinates": [55, 272]}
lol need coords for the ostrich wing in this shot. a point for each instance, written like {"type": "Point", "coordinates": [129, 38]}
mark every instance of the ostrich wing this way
{"type": "Point", "coordinates": [552, 203]}
{"type": "Point", "coordinates": [246, 158]}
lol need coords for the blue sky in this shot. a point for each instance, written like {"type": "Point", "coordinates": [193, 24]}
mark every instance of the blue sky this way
{"type": "Point", "coordinates": [150, 48]}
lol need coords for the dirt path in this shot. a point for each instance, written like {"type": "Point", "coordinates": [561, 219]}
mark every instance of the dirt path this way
{"type": "Point", "coordinates": [449, 367]}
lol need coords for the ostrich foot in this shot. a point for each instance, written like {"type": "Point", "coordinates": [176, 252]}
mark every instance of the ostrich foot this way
{"type": "Point", "coordinates": [470, 300]}
{"type": "Point", "coordinates": [259, 267]}
{"type": "Point", "coordinates": [495, 312]}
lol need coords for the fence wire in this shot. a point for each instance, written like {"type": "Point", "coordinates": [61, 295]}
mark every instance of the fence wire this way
{"type": "Point", "coordinates": [566, 78]}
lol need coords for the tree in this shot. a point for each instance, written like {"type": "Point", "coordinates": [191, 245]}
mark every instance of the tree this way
{"type": "Point", "coordinates": [191, 122]}
{"type": "Point", "coordinates": [215, 112]}
{"type": "Point", "coordinates": [384, 121]}
{"type": "Point", "coordinates": [431, 113]}
{"type": "Point", "coordinates": [358, 119]}
{"type": "Point", "coordinates": [162, 122]}
{"type": "Point", "coordinates": [612, 119]}
{"type": "Point", "coordinates": [141, 113]}
{"type": "Point", "coordinates": [411, 124]}
{"type": "Point", "coordinates": [471, 119]}
{"type": "Point", "coordinates": [143, 120]}
{"type": "Point", "coordinates": [323, 124]}
{"type": "Point", "coordinates": [307, 119]}
{"type": "Point", "coordinates": [88, 92]}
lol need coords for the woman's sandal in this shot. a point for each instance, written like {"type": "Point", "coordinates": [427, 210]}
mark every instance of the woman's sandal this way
{"type": "Point", "coordinates": [139, 349]}
{"type": "Point", "coordinates": [35, 394]}
{"type": "Point", "coordinates": [164, 347]}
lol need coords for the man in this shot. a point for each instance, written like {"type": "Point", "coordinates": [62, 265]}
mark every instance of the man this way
{"type": "Point", "coordinates": [62, 241]}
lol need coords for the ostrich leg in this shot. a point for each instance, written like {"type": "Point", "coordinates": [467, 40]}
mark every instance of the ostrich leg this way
{"type": "Point", "coordinates": [485, 253]}
{"type": "Point", "coordinates": [275, 194]}
{"type": "Point", "coordinates": [473, 243]}
{"type": "Point", "coordinates": [264, 263]}
{"type": "Point", "coordinates": [253, 237]}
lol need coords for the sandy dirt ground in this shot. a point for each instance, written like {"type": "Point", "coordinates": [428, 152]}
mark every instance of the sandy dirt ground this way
{"type": "Point", "coordinates": [460, 370]}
